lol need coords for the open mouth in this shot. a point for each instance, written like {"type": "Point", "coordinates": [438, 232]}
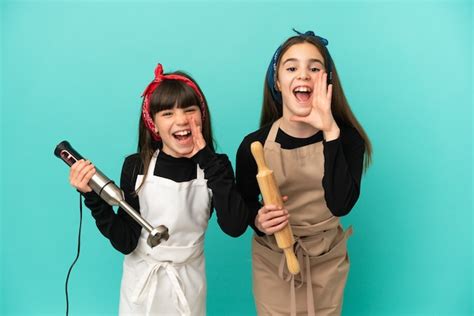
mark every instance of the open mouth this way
{"type": "Point", "coordinates": [302, 93]}
{"type": "Point", "coordinates": [182, 135]}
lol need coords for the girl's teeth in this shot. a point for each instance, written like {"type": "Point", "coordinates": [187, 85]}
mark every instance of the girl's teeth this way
{"type": "Point", "coordinates": [182, 133]}
{"type": "Point", "coordinates": [302, 89]}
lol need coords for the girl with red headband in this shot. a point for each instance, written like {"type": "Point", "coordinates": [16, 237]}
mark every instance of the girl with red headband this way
{"type": "Point", "coordinates": [175, 179]}
{"type": "Point", "coordinates": [315, 146]}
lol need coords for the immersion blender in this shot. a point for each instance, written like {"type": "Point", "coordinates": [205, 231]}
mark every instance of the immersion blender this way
{"type": "Point", "coordinates": [111, 194]}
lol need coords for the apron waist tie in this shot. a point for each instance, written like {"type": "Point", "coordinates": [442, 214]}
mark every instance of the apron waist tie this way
{"type": "Point", "coordinates": [148, 283]}
{"type": "Point", "coordinates": [302, 255]}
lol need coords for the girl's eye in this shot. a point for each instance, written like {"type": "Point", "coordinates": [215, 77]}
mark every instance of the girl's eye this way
{"type": "Point", "coordinates": [167, 113]}
{"type": "Point", "coordinates": [291, 69]}
{"type": "Point", "coordinates": [315, 69]}
{"type": "Point", "coordinates": [190, 110]}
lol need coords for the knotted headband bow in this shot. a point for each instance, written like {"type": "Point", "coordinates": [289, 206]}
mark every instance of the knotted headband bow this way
{"type": "Point", "coordinates": [159, 78]}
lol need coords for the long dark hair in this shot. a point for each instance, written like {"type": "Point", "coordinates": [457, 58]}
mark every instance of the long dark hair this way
{"type": "Point", "coordinates": [272, 110]}
{"type": "Point", "coordinates": [167, 95]}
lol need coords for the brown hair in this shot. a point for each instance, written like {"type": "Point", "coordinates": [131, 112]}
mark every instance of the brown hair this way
{"type": "Point", "coordinates": [167, 95]}
{"type": "Point", "coordinates": [272, 110]}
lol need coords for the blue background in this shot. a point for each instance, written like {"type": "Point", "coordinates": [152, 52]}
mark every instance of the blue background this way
{"type": "Point", "coordinates": [75, 70]}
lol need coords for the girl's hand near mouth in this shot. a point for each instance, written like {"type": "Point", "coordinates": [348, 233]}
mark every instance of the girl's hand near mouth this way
{"type": "Point", "coordinates": [321, 116]}
{"type": "Point", "coordinates": [198, 139]}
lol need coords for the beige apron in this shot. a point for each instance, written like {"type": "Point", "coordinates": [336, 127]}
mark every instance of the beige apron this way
{"type": "Point", "coordinates": [320, 240]}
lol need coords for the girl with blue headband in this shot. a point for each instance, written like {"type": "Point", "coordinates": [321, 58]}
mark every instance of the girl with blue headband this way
{"type": "Point", "coordinates": [315, 147]}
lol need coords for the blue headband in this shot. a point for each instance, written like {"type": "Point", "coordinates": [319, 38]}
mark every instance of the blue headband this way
{"type": "Point", "coordinates": [271, 71]}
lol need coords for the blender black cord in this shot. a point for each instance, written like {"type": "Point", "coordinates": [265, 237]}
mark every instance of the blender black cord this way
{"type": "Point", "coordinates": [78, 252]}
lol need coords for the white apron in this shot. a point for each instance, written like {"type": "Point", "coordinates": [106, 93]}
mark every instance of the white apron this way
{"type": "Point", "coordinates": [169, 279]}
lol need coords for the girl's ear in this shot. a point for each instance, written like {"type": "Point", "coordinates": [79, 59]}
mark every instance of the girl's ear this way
{"type": "Point", "coordinates": [277, 85]}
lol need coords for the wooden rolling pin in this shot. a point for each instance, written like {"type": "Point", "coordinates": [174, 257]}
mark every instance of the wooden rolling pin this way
{"type": "Point", "coordinates": [271, 195]}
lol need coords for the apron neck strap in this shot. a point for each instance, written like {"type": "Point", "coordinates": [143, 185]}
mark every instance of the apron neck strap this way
{"type": "Point", "coordinates": [274, 130]}
{"type": "Point", "coordinates": [199, 173]}
{"type": "Point", "coordinates": [151, 167]}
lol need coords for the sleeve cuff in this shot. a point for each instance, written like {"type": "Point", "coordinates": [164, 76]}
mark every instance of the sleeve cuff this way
{"type": "Point", "coordinates": [333, 142]}
{"type": "Point", "coordinates": [203, 156]}
{"type": "Point", "coordinates": [90, 196]}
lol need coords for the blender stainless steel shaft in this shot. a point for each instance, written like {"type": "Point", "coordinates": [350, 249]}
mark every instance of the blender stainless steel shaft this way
{"type": "Point", "coordinates": [112, 194]}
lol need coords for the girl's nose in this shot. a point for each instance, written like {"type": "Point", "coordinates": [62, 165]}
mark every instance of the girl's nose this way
{"type": "Point", "coordinates": [303, 74]}
{"type": "Point", "coordinates": [181, 118]}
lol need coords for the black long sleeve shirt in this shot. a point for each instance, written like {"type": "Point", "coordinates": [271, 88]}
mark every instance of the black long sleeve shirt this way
{"type": "Point", "coordinates": [343, 162]}
{"type": "Point", "coordinates": [123, 232]}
